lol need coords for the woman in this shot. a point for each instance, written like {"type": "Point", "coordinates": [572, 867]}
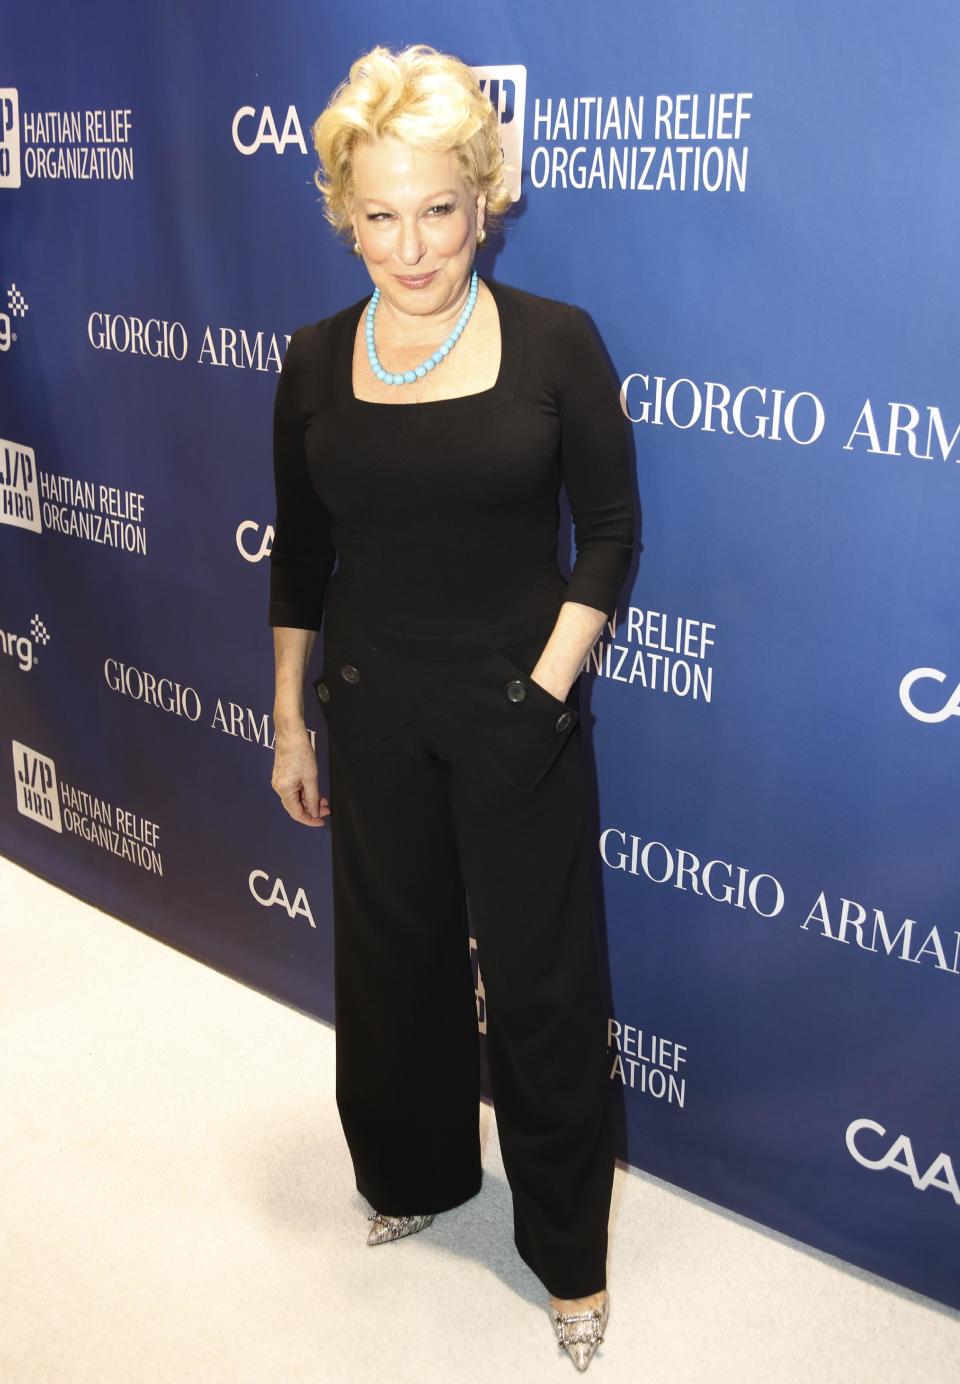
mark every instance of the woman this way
{"type": "Point", "coordinates": [420, 439]}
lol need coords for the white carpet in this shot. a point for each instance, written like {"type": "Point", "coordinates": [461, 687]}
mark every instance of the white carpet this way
{"type": "Point", "coordinates": [178, 1205]}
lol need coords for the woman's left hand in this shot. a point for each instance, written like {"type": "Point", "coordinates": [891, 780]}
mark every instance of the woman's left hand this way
{"type": "Point", "coordinates": [554, 689]}
{"type": "Point", "coordinates": [561, 660]}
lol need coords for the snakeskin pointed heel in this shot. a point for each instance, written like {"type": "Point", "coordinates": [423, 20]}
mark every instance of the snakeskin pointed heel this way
{"type": "Point", "coordinates": [394, 1227]}
{"type": "Point", "coordinates": [579, 1333]}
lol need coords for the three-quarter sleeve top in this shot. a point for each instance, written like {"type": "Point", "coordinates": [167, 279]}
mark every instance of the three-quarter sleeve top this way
{"type": "Point", "coordinates": [438, 522]}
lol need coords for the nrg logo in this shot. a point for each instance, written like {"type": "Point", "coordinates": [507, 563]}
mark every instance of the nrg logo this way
{"type": "Point", "coordinates": [20, 647]}
{"type": "Point", "coordinates": [17, 306]}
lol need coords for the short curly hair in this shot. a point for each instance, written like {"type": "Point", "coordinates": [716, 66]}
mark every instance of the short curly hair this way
{"type": "Point", "coordinates": [430, 100]}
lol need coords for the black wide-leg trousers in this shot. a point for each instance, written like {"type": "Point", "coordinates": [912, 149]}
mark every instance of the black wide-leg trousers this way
{"type": "Point", "coordinates": [457, 798]}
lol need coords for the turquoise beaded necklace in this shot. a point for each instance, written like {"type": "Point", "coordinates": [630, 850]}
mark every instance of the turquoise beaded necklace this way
{"type": "Point", "coordinates": [408, 376]}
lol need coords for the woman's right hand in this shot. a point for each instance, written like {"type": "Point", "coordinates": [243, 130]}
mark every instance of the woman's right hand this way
{"type": "Point", "coordinates": [294, 778]}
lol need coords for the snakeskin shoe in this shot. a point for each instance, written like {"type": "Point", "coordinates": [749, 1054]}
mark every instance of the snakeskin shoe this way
{"type": "Point", "coordinates": [386, 1228]}
{"type": "Point", "coordinates": [579, 1333]}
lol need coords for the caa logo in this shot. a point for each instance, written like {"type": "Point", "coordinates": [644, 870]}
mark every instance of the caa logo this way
{"type": "Point", "coordinates": [950, 708]}
{"type": "Point", "coordinates": [248, 140]}
{"type": "Point", "coordinates": [505, 87]}
{"type": "Point", "coordinates": [297, 908]}
{"type": "Point", "coordinates": [265, 537]}
{"type": "Point", "coordinates": [9, 137]}
{"type": "Point", "coordinates": [479, 992]}
{"type": "Point", "coordinates": [900, 1157]}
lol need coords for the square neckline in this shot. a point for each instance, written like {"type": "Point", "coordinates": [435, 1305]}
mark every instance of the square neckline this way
{"type": "Point", "coordinates": [502, 390]}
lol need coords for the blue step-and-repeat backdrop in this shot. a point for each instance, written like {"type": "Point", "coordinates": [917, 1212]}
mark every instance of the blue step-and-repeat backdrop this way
{"type": "Point", "coordinates": [757, 205]}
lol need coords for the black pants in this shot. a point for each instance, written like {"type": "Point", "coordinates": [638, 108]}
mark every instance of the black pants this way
{"type": "Point", "coordinates": [457, 804]}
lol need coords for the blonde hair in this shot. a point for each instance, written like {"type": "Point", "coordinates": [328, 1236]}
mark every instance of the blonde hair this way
{"type": "Point", "coordinates": [430, 100]}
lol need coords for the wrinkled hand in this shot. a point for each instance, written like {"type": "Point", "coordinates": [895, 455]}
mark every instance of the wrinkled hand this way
{"type": "Point", "coordinates": [294, 778]}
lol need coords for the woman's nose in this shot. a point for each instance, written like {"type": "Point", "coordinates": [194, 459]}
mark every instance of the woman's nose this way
{"type": "Point", "coordinates": [411, 243]}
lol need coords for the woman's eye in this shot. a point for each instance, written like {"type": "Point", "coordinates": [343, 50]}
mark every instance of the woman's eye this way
{"type": "Point", "coordinates": [442, 207]}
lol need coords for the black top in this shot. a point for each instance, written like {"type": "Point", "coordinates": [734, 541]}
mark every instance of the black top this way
{"type": "Point", "coordinates": [444, 515]}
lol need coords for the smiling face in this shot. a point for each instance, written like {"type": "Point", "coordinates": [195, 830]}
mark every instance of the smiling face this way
{"type": "Point", "coordinates": [414, 216]}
